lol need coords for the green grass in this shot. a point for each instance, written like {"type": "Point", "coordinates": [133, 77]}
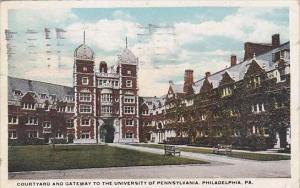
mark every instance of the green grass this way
{"type": "Point", "coordinates": [241, 155]}
{"type": "Point", "coordinates": [43, 157]}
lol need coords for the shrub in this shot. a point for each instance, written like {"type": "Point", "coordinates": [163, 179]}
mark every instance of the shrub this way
{"type": "Point", "coordinates": [256, 142]}
{"type": "Point", "coordinates": [58, 141]}
{"type": "Point", "coordinates": [26, 141]}
{"type": "Point", "coordinates": [178, 140]}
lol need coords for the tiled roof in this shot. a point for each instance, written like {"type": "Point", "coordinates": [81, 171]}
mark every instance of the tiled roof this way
{"type": "Point", "coordinates": [177, 88]}
{"type": "Point", "coordinates": [38, 88]}
{"type": "Point", "coordinates": [237, 72]}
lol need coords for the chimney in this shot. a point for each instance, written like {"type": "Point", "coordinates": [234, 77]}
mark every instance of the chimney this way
{"type": "Point", "coordinates": [188, 81]}
{"type": "Point", "coordinates": [207, 74]}
{"type": "Point", "coordinates": [233, 60]}
{"type": "Point", "coordinates": [103, 67]}
{"type": "Point", "coordinates": [275, 40]}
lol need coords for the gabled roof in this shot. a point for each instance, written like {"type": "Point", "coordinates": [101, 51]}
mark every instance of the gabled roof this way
{"type": "Point", "coordinates": [237, 72]}
{"type": "Point", "coordinates": [177, 88]}
{"type": "Point", "coordinates": [152, 102]}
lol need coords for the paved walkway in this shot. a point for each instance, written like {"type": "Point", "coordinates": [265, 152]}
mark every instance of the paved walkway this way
{"type": "Point", "coordinates": [220, 166]}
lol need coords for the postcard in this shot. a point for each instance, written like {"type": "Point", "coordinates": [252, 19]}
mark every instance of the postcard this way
{"type": "Point", "coordinates": [149, 94]}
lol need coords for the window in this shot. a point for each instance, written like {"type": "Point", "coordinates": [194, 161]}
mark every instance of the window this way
{"type": "Point", "coordinates": [266, 131]}
{"type": "Point", "coordinates": [116, 83]}
{"type": "Point", "coordinates": [59, 135]}
{"type": "Point", "coordinates": [128, 83]}
{"type": "Point", "coordinates": [12, 134]}
{"type": "Point", "coordinates": [32, 134]}
{"type": "Point", "coordinates": [70, 108]}
{"type": "Point", "coordinates": [85, 134]}
{"type": "Point", "coordinates": [85, 80]}
{"type": "Point", "coordinates": [84, 69]}
{"type": "Point", "coordinates": [12, 119]}
{"type": "Point", "coordinates": [69, 98]}
{"type": "Point", "coordinates": [28, 106]}
{"type": "Point", "coordinates": [129, 135]}
{"type": "Point", "coordinates": [99, 83]}
{"type": "Point", "coordinates": [129, 99]}
{"type": "Point", "coordinates": [43, 96]}
{"type": "Point", "coordinates": [145, 112]}
{"type": "Point", "coordinates": [106, 97]}
{"type": "Point", "coordinates": [282, 74]}
{"type": "Point", "coordinates": [85, 108]}
{"type": "Point", "coordinates": [129, 72]}
{"type": "Point", "coordinates": [85, 122]}
{"type": "Point", "coordinates": [60, 108]}
{"type": "Point", "coordinates": [85, 97]}
{"type": "Point", "coordinates": [70, 123]}
{"type": "Point", "coordinates": [47, 124]}
{"type": "Point", "coordinates": [106, 109]}
{"type": "Point", "coordinates": [227, 91]}
{"type": "Point", "coordinates": [258, 108]}
{"type": "Point", "coordinates": [129, 122]}
{"type": "Point", "coordinates": [32, 121]}
{"type": "Point", "coordinates": [129, 110]}
{"type": "Point", "coordinates": [255, 82]}
{"type": "Point", "coordinates": [53, 97]}
{"type": "Point", "coordinates": [17, 93]}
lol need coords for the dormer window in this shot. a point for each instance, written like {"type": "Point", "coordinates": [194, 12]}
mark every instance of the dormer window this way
{"type": "Point", "coordinates": [70, 108]}
{"type": "Point", "coordinates": [85, 80]}
{"type": "Point", "coordinates": [17, 93]}
{"type": "Point", "coordinates": [53, 97]}
{"type": "Point", "coordinates": [69, 98]}
{"type": "Point", "coordinates": [61, 109]}
{"type": "Point", "coordinates": [254, 82]}
{"type": "Point", "coordinates": [43, 96]}
{"type": "Point", "coordinates": [227, 91]}
{"type": "Point", "coordinates": [145, 112]}
{"type": "Point", "coordinates": [28, 106]}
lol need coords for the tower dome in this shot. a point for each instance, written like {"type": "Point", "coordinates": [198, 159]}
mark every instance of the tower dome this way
{"type": "Point", "coordinates": [128, 57]}
{"type": "Point", "coordinates": [84, 52]}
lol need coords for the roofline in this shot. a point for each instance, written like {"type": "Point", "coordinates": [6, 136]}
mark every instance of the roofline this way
{"type": "Point", "coordinates": [39, 81]}
{"type": "Point", "coordinates": [240, 63]}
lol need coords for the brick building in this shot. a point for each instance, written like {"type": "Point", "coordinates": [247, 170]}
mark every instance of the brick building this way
{"type": "Point", "coordinates": [246, 104]}
{"type": "Point", "coordinates": [102, 105]}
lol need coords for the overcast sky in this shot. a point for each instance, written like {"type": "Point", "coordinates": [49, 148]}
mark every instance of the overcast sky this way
{"type": "Point", "coordinates": [201, 39]}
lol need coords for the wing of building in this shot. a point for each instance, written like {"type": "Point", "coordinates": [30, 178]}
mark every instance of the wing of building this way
{"type": "Point", "coordinates": [246, 104]}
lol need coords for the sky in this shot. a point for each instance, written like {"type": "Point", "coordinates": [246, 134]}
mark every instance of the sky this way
{"type": "Point", "coordinates": [166, 40]}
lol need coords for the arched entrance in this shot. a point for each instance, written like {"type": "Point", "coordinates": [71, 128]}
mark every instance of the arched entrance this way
{"type": "Point", "coordinates": [107, 133]}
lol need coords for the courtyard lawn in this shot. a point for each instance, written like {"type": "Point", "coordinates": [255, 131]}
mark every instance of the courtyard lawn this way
{"type": "Point", "coordinates": [43, 157]}
{"type": "Point", "coordinates": [242, 155]}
